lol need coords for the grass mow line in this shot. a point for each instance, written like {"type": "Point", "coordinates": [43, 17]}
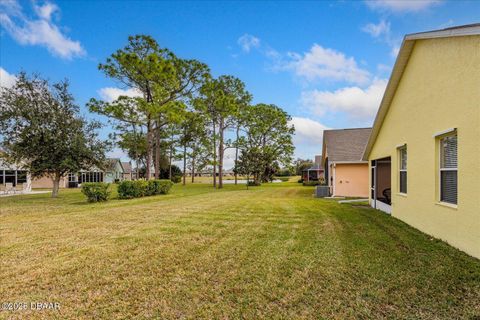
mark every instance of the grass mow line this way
{"type": "Point", "coordinates": [269, 252]}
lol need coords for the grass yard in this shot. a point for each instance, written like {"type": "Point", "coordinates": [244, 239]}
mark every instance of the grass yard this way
{"type": "Point", "coordinates": [268, 252]}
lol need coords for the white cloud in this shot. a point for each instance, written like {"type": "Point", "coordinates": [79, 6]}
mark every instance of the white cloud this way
{"type": "Point", "coordinates": [38, 31]}
{"type": "Point", "coordinates": [325, 63]}
{"type": "Point", "coordinates": [45, 11]}
{"type": "Point", "coordinates": [307, 130]}
{"type": "Point", "coordinates": [401, 5]}
{"type": "Point", "coordinates": [247, 42]}
{"type": "Point", "coordinates": [7, 80]}
{"type": "Point", "coordinates": [383, 68]}
{"type": "Point", "coordinates": [354, 101]}
{"type": "Point", "coordinates": [377, 30]}
{"type": "Point", "coordinates": [381, 31]}
{"type": "Point", "coordinates": [110, 94]}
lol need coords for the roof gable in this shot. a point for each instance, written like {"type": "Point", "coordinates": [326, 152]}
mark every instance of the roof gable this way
{"type": "Point", "coordinates": [345, 144]}
{"type": "Point", "coordinates": [400, 66]}
{"type": "Point", "coordinates": [113, 164]}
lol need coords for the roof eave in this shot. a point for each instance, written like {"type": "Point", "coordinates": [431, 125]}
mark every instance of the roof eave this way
{"type": "Point", "coordinates": [468, 30]}
{"type": "Point", "coordinates": [393, 81]}
{"type": "Point", "coordinates": [399, 68]}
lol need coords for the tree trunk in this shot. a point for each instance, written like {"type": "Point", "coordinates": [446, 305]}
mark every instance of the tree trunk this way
{"type": "Point", "coordinates": [236, 156]}
{"type": "Point", "coordinates": [214, 157]}
{"type": "Point", "coordinates": [220, 153]}
{"type": "Point", "coordinates": [170, 165]}
{"type": "Point", "coordinates": [193, 169]}
{"type": "Point", "coordinates": [149, 148]}
{"type": "Point", "coordinates": [157, 153]}
{"type": "Point", "coordinates": [184, 164]}
{"type": "Point", "coordinates": [137, 173]}
{"type": "Point", "coordinates": [56, 184]}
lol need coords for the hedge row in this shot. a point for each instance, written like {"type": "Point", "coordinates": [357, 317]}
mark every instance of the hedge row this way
{"type": "Point", "coordinates": [96, 191]}
{"type": "Point", "coordinates": [142, 188]}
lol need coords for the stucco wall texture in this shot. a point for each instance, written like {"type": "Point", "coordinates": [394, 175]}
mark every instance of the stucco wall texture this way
{"type": "Point", "coordinates": [351, 180]}
{"type": "Point", "coordinates": [439, 90]}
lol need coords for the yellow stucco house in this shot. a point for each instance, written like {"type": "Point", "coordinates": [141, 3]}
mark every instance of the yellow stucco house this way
{"type": "Point", "coordinates": [424, 149]}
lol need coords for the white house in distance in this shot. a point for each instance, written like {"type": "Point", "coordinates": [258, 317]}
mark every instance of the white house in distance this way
{"type": "Point", "coordinates": [13, 175]}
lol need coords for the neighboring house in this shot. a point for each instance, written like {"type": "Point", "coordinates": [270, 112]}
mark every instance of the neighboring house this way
{"type": "Point", "coordinates": [114, 172]}
{"type": "Point", "coordinates": [315, 172]}
{"type": "Point", "coordinates": [228, 173]}
{"type": "Point", "coordinates": [424, 150]}
{"type": "Point", "coordinates": [345, 170]}
{"type": "Point", "coordinates": [206, 172]}
{"type": "Point", "coordinates": [14, 175]}
{"type": "Point", "coordinates": [127, 171]}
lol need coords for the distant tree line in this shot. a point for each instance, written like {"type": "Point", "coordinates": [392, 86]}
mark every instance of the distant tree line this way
{"type": "Point", "coordinates": [182, 113]}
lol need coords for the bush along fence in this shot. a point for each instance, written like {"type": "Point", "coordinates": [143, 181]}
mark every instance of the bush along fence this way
{"type": "Point", "coordinates": [96, 191]}
{"type": "Point", "coordinates": [142, 188]}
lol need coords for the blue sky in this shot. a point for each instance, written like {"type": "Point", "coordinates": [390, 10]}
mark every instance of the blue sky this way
{"type": "Point", "coordinates": [325, 63]}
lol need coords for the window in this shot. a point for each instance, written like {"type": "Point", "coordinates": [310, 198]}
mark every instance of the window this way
{"type": "Point", "coordinates": [10, 177]}
{"type": "Point", "coordinates": [90, 177]}
{"type": "Point", "coordinates": [21, 176]}
{"type": "Point", "coordinates": [402, 152]}
{"type": "Point", "coordinates": [448, 169]}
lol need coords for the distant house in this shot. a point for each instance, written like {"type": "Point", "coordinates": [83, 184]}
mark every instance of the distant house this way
{"type": "Point", "coordinates": [315, 172]}
{"type": "Point", "coordinates": [114, 172]}
{"type": "Point", "coordinates": [228, 173]}
{"type": "Point", "coordinates": [14, 176]}
{"type": "Point", "coordinates": [424, 151]}
{"type": "Point", "coordinates": [206, 172]}
{"type": "Point", "coordinates": [127, 171]}
{"type": "Point", "coordinates": [345, 170]}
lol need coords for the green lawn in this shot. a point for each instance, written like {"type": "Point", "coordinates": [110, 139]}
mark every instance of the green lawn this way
{"type": "Point", "coordinates": [268, 252]}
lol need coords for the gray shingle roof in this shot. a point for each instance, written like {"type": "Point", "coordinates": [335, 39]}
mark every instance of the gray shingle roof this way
{"type": "Point", "coordinates": [127, 167]}
{"type": "Point", "coordinates": [346, 144]}
{"type": "Point", "coordinates": [111, 164]}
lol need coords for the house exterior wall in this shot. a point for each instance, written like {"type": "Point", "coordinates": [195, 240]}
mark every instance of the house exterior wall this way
{"type": "Point", "coordinates": [46, 182]}
{"type": "Point", "coordinates": [439, 90]}
{"type": "Point", "coordinates": [4, 167]}
{"type": "Point", "coordinates": [116, 174]}
{"type": "Point", "coordinates": [350, 180]}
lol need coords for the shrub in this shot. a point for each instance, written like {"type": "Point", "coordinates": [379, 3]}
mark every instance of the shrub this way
{"type": "Point", "coordinates": [159, 186]}
{"type": "Point", "coordinates": [283, 178]}
{"type": "Point", "coordinates": [96, 191]}
{"type": "Point", "coordinates": [165, 172]}
{"type": "Point", "coordinates": [300, 180]}
{"type": "Point", "coordinates": [285, 172]}
{"type": "Point", "coordinates": [142, 188]}
{"type": "Point", "coordinates": [132, 189]}
{"type": "Point", "coordinates": [165, 186]}
{"type": "Point", "coordinates": [253, 183]}
{"type": "Point", "coordinates": [176, 179]}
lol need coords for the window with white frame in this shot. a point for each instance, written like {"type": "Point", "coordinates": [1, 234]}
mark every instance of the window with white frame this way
{"type": "Point", "coordinates": [448, 169]}
{"type": "Point", "coordinates": [402, 154]}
